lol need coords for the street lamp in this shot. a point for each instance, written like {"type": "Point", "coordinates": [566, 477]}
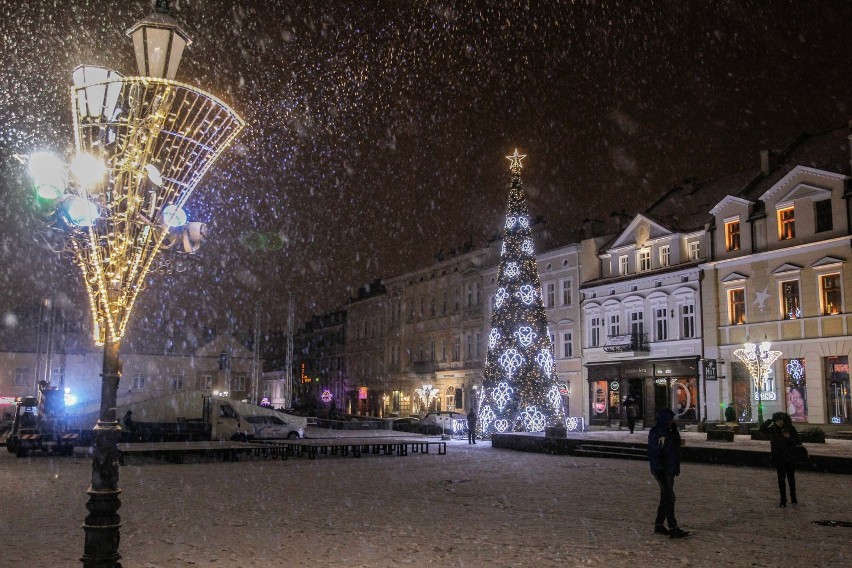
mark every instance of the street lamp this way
{"type": "Point", "coordinates": [143, 143]}
{"type": "Point", "coordinates": [758, 359]}
{"type": "Point", "coordinates": [427, 394]}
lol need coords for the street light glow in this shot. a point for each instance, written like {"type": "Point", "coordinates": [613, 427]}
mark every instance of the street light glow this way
{"type": "Point", "coordinates": [88, 170]}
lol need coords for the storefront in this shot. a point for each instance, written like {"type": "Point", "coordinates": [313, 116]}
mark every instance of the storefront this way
{"type": "Point", "coordinates": [669, 383]}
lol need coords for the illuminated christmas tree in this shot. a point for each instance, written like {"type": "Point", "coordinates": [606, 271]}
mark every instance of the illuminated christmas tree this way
{"type": "Point", "coordinates": [519, 391]}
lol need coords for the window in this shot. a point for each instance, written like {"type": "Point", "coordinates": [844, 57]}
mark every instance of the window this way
{"type": "Point", "coordinates": [661, 324]}
{"type": "Point", "coordinates": [837, 387]}
{"type": "Point", "coordinates": [595, 326]}
{"type": "Point", "coordinates": [665, 256]}
{"type": "Point", "coordinates": [450, 397]}
{"type": "Point", "coordinates": [138, 382]}
{"type": "Point", "coordinates": [824, 222]}
{"type": "Point", "coordinates": [57, 375]}
{"type": "Point", "coordinates": [732, 235]}
{"type": "Point", "coordinates": [736, 306]}
{"type": "Point", "coordinates": [204, 382]}
{"type": "Point", "coordinates": [830, 298]}
{"type": "Point", "coordinates": [443, 302]}
{"type": "Point", "coordinates": [786, 224]}
{"type": "Point", "coordinates": [551, 295]}
{"type": "Point", "coordinates": [643, 259]}
{"type": "Point", "coordinates": [238, 384]}
{"type": "Point", "coordinates": [443, 349]}
{"type": "Point", "coordinates": [687, 318]}
{"type": "Point", "coordinates": [567, 292]}
{"type": "Point", "coordinates": [694, 250]}
{"type": "Point", "coordinates": [637, 325]}
{"type": "Point", "coordinates": [478, 345]}
{"type": "Point", "coordinates": [21, 376]}
{"type": "Point", "coordinates": [177, 382]}
{"type": "Point", "coordinates": [622, 265]}
{"type": "Point", "coordinates": [456, 348]}
{"type": "Point", "coordinates": [431, 349]}
{"type": "Point", "coordinates": [567, 344]}
{"type": "Point", "coordinates": [457, 301]}
{"type": "Point", "coordinates": [790, 307]}
{"type": "Point", "coordinates": [614, 325]}
{"type": "Point", "coordinates": [469, 350]}
{"type": "Point", "coordinates": [795, 383]}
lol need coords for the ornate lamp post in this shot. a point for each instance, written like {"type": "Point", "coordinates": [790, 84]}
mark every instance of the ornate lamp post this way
{"type": "Point", "coordinates": [758, 359]}
{"type": "Point", "coordinates": [143, 144]}
{"type": "Point", "coordinates": [427, 394]}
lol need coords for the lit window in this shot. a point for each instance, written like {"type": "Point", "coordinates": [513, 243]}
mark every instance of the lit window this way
{"type": "Point", "coordinates": [665, 256]}
{"type": "Point", "coordinates": [622, 265]}
{"type": "Point", "coordinates": [643, 259]}
{"type": "Point", "coordinates": [694, 250]}
{"type": "Point", "coordinates": [830, 297]}
{"type": "Point", "coordinates": [736, 306]}
{"type": "Point", "coordinates": [790, 307]}
{"type": "Point", "coordinates": [786, 224]}
{"type": "Point", "coordinates": [732, 235]}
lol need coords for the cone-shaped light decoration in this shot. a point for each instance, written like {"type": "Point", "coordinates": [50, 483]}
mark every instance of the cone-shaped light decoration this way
{"type": "Point", "coordinates": [520, 391]}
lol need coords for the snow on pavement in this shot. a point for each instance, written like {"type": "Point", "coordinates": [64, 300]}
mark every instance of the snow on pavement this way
{"type": "Point", "coordinates": [474, 507]}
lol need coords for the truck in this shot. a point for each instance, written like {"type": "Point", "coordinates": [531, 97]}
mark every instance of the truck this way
{"type": "Point", "coordinates": [40, 423]}
{"type": "Point", "coordinates": [199, 415]}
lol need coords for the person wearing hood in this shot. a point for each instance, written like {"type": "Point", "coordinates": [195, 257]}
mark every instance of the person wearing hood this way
{"type": "Point", "coordinates": [783, 437]}
{"type": "Point", "coordinates": [664, 458]}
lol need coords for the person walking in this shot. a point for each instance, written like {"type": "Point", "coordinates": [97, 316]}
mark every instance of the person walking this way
{"type": "Point", "coordinates": [783, 437]}
{"type": "Point", "coordinates": [730, 413]}
{"type": "Point", "coordinates": [471, 427]}
{"type": "Point", "coordinates": [664, 458]}
{"type": "Point", "coordinates": [631, 405]}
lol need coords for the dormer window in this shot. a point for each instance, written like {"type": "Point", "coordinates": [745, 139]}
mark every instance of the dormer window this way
{"type": "Point", "coordinates": [824, 221]}
{"type": "Point", "coordinates": [643, 260]}
{"type": "Point", "coordinates": [786, 224]}
{"type": "Point", "coordinates": [694, 250]}
{"type": "Point", "coordinates": [665, 256]}
{"type": "Point", "coordinates": [732, 235]}
{"type": "Point", "coordinates": [622, 265]}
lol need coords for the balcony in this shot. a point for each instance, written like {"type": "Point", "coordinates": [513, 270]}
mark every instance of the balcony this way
{"type": "Point", "coordinates": [628, 345]}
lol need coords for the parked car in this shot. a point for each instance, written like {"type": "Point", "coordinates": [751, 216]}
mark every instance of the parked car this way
{"type": "Point", "coordinates": [410, 424]}
{"type": "Point", "coordinates": [444, 422]}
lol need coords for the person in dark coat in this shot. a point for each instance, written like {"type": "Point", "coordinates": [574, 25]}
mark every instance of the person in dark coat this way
{"type": "Point", "coordinates": [730, 413]}
{"type": "Point", "coordinates": [631, 406]}
{"type": "Point", "coordinates": [471, 427]}
{"type": "Point", "coordinates": [783, 437]}
{"type": "Point", "coordinates": [664, 458]}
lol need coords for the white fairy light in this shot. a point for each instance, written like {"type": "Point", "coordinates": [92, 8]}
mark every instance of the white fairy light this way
{"type": "Point", "coordinates": [527, 246]}
{"type": "Point", "coordinates": [524, 222]}
{"type": "Point", "coordinates": [500, 296]}
{"type": "Point", "coordinates": [511, 361]}
{"type": "Point", "coordinates": [527, 293]}
{"type": "Point", "coordinates": [526, 335]}
{"type": "Point", "coordinates": [512, 270]}
{"type": "Point", "coordinates": [553, 396]}
{"type": "Point", "coordinates": [501, 425]}
{"type": "Point", "coordinates": [545, 361]}
{"type": "Point", "coordinates": [510, 222]}
{"type": "Point", "coordinates": [493, 338]}
{"type": "Point", "coordinates": [501, 395]}
{"type": "Point", "coordinates": [533, 419]}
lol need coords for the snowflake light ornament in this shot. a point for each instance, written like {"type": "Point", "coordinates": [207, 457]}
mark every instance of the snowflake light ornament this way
{"type": "Point", "coordinates": [524, 222]}
{"type": "Point", "coordinates": [501, 425]}
{"type": "Point", "coordinates": [486, 416]}
{"type": "Point", "coordinates": [502, 394]}
{"type": "Point", "coordinates": [527, 246]}
{"type": "Point", "coordinates": [503, 249]}
{"type": "Point", "coordinates": [553, 396]}
{"type": "Point", "coordinates": [512, 270]}
{"type": "Point", "coordinates": [510, 222]}
{"type": "Point", "coordinates": [526, 335]}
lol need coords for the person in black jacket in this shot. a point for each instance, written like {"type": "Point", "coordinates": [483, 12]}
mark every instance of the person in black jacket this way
{"type": "Point", "coordinates": [782, 439]}
{"type": "Point", "coordinates": [664, 457]}
{"type": "Point", "coordinates": [471, 427]}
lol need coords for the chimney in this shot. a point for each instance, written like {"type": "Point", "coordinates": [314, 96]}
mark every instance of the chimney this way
{"type": "Point", "coordinates": [768, 160]}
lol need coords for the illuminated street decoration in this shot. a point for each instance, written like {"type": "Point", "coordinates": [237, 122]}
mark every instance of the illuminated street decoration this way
{"type": "Point", "coordinates": [758, 359]}
{"type": "Point", "coordinates": [796, 370]}
{"type": "Point", "coordinates": [326, 396]}
{"type": "Point", "coordinates": [525, 335]}
{"type": "Point", "coordinates": [427, 394]}
{"type": "Point", "coordinates": [493, 336]}
{"type": "Point", "coordinates": [518, 383]}
{"type": "Point", "coordinates": [527, 293]}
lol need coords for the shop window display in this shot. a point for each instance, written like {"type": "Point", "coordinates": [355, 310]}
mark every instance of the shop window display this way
{"type": "Point", "coordinates": [685, 398]}
{"type": "Point", "coordinates": [795, 382]}
{"type": "Point", "coordinates": [837, 379]}
{"type": "Point", "coordinates": [599, 399]}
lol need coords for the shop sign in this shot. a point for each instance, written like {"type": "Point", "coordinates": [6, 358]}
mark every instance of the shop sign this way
{"type": "Point", "coordinates": [688, 368]}
{"type": "Point", "coordinates": [710, 370]}
{"type": "Point", "coordinates": [362, 393]}
{"type": "Point", "coordinates": [635, 370]}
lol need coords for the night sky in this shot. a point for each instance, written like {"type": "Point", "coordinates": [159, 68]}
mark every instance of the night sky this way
{"type": "Point", "coordinates": [377, 130]}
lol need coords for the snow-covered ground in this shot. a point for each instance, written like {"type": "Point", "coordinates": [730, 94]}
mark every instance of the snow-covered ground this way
{"type": "Point", "coordinates": [475, 506]}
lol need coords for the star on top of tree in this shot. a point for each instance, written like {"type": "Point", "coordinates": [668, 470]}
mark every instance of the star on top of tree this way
{"type": "Point", "coordinates": [515, 160]}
